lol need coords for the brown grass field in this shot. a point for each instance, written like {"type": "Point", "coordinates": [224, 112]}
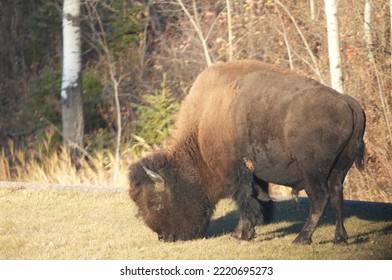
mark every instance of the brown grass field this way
{"type": "Point", "coordinates": [48, 224]}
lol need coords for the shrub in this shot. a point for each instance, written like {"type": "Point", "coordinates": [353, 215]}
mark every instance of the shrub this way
{"type": "Point", "coordinates": [155, 119]}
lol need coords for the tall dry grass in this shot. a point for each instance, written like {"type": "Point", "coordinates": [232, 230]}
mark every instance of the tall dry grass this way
{"type": "Point", "coordinates": [40, 165]}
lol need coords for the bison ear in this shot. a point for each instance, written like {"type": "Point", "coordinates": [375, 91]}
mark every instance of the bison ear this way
{"type": "Point", "coordinates": [158, 179]}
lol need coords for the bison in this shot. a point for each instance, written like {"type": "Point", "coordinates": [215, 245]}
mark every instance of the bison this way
{"type": "Point", "coordinates": [243, 125]}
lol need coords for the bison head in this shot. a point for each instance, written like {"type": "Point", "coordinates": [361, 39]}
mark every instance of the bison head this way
{"type": "Point", "coordinates": [170, 201]}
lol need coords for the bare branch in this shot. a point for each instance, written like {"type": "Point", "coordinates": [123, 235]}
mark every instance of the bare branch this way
{"type": "Point", "coordinates": [316, 68]}
{"type": "Point", "coordinates": [195, 23]}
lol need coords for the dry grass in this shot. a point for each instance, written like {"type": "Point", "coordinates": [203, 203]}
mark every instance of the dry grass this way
{"type": "Point", "coordinates": [44, 167]}
{"type": "Point", "coordinates": [47, 224]}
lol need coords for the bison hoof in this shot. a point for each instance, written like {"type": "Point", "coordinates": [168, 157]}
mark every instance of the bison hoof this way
{"type": "Point", "coordinates": [244, 234]}
{"type": "Point", "coordinates": [163, 237]}
{"type": "Point", "coordinates": [340, 240]}
{"type": "Point", "coordinates": [302, 240]}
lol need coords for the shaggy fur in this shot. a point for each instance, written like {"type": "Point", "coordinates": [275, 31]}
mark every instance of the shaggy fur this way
{"type": "Point", "coordinates": [245, 124]}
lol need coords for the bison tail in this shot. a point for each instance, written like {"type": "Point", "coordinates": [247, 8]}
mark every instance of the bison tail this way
{"type": "Point", "coordinates": [358, 132]}
{"type": "Point", "coordinates": [359, 160]}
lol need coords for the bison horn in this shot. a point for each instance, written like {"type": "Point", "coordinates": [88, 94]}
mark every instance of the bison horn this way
{"type": "Point", "coordinates": [158, 179]}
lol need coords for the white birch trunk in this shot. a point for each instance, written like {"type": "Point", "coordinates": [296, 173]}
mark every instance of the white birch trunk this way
{"type": "Point", "coordinates": [367, 25]}
{"type": "Point", "coordinates": [390, 37]}
{"type": "Point", "coordinates": [312, 8]}
{"type": "Point", "coordinates": [333, 45]}
{"type": "Point", "coordinates": [71, 87]}
{"type": "Point", "coordinates": [229, 30]}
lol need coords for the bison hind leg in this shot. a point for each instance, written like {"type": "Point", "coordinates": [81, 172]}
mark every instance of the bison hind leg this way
{"type": "Point", "coordinates": [319, 197]}
{"type": "Point", "coordinates": [336, 186]}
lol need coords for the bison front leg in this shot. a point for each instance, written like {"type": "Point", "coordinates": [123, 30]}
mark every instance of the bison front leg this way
{"type": "Point", "coordinates": [250, 213]}
{"type": "Point", "coordinates": [245, 229]}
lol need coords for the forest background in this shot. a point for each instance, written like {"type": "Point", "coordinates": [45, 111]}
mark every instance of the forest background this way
{"type": "Point", "coordinates": [149, 53]}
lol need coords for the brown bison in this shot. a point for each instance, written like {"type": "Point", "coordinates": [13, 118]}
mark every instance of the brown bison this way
{"type": "Point", "coordinates": [245, 124]}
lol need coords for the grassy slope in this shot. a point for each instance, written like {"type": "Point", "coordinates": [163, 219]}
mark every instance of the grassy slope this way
{"type": "Point", "coordinates": [44, 224]}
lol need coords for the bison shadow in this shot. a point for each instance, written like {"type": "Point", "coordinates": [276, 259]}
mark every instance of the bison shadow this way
{"type": "Point", "coordinates": [295, 213]}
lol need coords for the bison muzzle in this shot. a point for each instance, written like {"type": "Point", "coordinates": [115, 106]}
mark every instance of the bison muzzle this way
{"type": "Point", "coordinates": [243, 125]}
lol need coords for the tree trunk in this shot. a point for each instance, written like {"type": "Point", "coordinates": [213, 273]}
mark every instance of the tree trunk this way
{"type": "Point", "coordinates": [333, 45]}
{"type": "Point", "coordinates": [367, 15]}
{"type": "Point", "coordinates": [390, 38]}
{"type": "Point", "coordinates": [229, 30]}
{"type": "Point", "coordinates": [312, 8]}
{"type": "Point", "coordinates": [71, 88]}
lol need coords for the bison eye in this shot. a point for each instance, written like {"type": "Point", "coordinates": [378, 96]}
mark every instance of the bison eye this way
{"type": "Point", "coordinates": [163, 237]}
{"type": "Point", "coordinates": [157, 204]}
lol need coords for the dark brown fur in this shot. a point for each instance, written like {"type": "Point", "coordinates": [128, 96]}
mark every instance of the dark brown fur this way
{"type": "Point", "coordinates": [242, 125]}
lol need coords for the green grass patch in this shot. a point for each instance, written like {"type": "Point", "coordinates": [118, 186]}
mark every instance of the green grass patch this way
{"type": "Point", "coordinates": [48, 224]}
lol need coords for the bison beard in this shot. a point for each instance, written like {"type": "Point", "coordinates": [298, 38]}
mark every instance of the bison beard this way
{"type": "Point", "coordinates": [245, 124]}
